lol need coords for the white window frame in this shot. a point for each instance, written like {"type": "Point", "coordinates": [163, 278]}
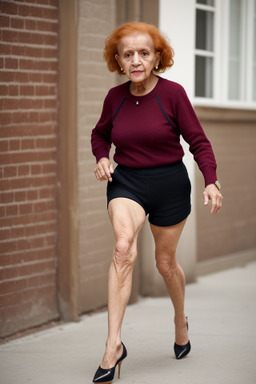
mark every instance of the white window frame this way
{"type": "Point", "coordinates": [221, 56]}
{"type": "Point", "coordinates": [207, 53]}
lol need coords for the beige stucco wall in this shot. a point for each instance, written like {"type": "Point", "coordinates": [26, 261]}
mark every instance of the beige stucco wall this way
{"type": "Point", "coordinates": [232, 232]}
{"type": "Point", "coordinates": [96, 21]}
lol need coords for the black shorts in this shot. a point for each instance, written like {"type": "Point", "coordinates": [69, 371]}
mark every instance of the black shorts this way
{"type": "Point", "coordinates": [163, 192]}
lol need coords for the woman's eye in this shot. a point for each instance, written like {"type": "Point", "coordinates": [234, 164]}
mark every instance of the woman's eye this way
{"type": "Point", "coordinates": [144, 53]}
{"type": "Point", "coordinates": [127, 55]}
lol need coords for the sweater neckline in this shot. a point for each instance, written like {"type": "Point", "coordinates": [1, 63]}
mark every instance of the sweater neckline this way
{"type": "Point", "coordinates": [141, 99]}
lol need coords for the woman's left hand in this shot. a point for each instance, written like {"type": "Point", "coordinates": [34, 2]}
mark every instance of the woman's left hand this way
{"type": "Point", "coordinates": [212, 193]}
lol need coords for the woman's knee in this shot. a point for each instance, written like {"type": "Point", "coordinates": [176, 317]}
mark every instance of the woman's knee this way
{"type": "Point", "coordinates": [125, 252]}
{"type": "Point", "coordinates": [167, 267]}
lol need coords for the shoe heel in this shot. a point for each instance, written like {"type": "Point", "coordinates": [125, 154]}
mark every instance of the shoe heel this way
{"type": "Point", "coordinates": [119, 368]}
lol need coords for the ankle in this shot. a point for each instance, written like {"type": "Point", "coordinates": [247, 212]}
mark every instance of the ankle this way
{"type": "Point", "coordinates": [113, 345]}
{"type": "Point", "coordinates": [180, 321]}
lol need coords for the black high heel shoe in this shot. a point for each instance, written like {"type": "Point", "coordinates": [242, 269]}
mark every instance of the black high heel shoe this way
{"type": "Point", "coordinates": [182, 350]}
{"type": "Point", "coordinates": [107, 375]}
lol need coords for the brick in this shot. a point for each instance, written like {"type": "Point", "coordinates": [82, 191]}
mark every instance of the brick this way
{"type": "Point", "coordinates": [5, 118]}
{"type": "Point", "coordinates": [17, 77]}
{"type": "Point", "coordinates": [14, 145]}
{"type": "Point", "coordinates": [6, 197]}
{"type": "Point", "coordinates": [5, 49]}
{"type": "Point", "coordinates": [49, 27]}
{"type": "Point", "coordinates": [12, 286]}
{"type": "Point", "coordinates": [24, 117]}
{"type": "Point", "coordinates": [36, 169]}
{"type": "Point", "coordinates": [6, 260]}
{"type": "Point", "coordinates": [4, 234]}
{"type": "Point", "coordinates": [11, 210]}
{"type": "Point", "coordinates": [28, 144]}
{"type": "Point", "coordinates": [11, 63]}
{"type": "Point", "coordinates": [46, 193]}
{"type": "Point", "coordinates": [27, 90]}
{"type": "Point", "coordinates": [10, 299]}
{"type": "Point", "coordinates": [44, 206]}
{"type": "Point", "coordinates": [31, 24]}
{"type": "Point", "coordinates": [17, 23]}
{"type": "Point", "coordinates": [4, 21]}
{"type": "Point", "coordinates": [4, 145]}
{"type": "Point", "coordinates": [45, 117]}
{"type": "Point", "coordinates": [2, 212]}
{"type": "Point", "coordinates": [50, 104]}
{"type": "Point", "coordinates": [23, 170]}
{"type": "Point", "coordinates": [17, 232]}
{"type": "Point", "coordinates": [49, 168]}
{"type": "Point", "coordinates": [32, 195]}
{"type": "Point", "coordinates": [8, 273]}
{"type": "Point", "coordinates": [10, 171]}
{"type": "Point", "coordinates": [35, 77]}
{"type": "Point", "coordinates": [4, 90]}
{"type": "Point", "coordinates": [25, 209]}
{"type": "Point", "coordinates": [20, 196]}
{"type": "Point", "coordinates": [49, 78]}
{"type": "Point", "coordinates": [10, 36]}
{"type": "Point", "coordinates": [13, 90]}
{"type": "Point", "coordinates": [46, 143]}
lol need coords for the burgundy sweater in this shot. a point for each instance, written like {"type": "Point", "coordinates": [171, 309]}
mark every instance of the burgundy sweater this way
{"type": "Point", "coordinates": [146, 129]}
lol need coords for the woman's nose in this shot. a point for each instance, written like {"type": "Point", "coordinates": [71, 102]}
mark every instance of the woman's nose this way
{"type": "Point", "coordinates": [136, 59]}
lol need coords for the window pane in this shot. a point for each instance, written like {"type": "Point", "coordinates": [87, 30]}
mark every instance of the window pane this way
{"type": "Point", "coordinates": [204, 30]}
{"type": "Point", "coordinates": [206, 2]}
{"type": "Point", "coordinates": [204, 76]}
{"type": "Point", "coordinates": [234, 91]}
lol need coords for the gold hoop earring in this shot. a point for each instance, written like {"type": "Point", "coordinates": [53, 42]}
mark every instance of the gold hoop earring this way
{"type": "Point", "coordinates": [156, 67]}
{"type": "Point", "coordinates": [122, 70]}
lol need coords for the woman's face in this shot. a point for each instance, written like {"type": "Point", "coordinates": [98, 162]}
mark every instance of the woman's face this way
{"type": "Point", "coordinates": [137, 56]}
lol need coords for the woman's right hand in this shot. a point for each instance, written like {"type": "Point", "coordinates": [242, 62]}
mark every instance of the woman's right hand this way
{"type": "Point", "coordinates": [103, 169]}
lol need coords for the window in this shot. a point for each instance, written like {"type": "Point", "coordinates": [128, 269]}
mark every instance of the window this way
{"type": "Point", "coordinates": [225, 51]}
{"type": "Point", "coordinates": [204, 48]}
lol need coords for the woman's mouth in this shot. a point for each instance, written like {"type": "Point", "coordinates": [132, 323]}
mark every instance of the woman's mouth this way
{"type": "Point", "coordinates": [136, 72]}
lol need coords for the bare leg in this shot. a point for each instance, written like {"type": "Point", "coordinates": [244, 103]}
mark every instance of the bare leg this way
{"type": "Point", "coordinates": [127, 218]}
{"type": "Point", "coordinates": [166, 241]}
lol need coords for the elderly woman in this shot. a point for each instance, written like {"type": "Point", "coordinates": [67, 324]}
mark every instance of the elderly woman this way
{"type": "Point", "coordinates": [144, 118]}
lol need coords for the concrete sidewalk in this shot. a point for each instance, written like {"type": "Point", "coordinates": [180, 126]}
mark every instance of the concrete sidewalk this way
{"type": "Point", "coordinates": [222, 320]}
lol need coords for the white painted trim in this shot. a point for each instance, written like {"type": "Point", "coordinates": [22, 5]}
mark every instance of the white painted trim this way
{"type": "Point", "coordinates": [204, 102]}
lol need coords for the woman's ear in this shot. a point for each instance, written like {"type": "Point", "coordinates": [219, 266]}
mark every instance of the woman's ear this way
{"type": "Point", "coordinates": [158, 58]}
{"type": "Point", "coordinates": [118, 60]}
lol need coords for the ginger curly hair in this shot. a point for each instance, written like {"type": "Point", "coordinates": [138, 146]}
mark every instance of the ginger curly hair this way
{"type": "Point", "coordinates": [160, 42]}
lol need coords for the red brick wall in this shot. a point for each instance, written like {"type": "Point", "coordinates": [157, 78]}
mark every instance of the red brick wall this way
{"type": "Point", "coordinates": [28, 167]}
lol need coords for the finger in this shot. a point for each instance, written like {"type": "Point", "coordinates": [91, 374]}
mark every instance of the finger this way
{"type": "Point", "coordinates": [206, 199]}
{"type": "Point", "coordinates": [216, 203]}
{"type": "Point", "coordinates": [99, 173]}
{"type": "Point", "coordinates": [107, 174]}
{"type": "Point", "coordinates": [214, 206]}
{"type": "Point", "coordinates": [102, 171]}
